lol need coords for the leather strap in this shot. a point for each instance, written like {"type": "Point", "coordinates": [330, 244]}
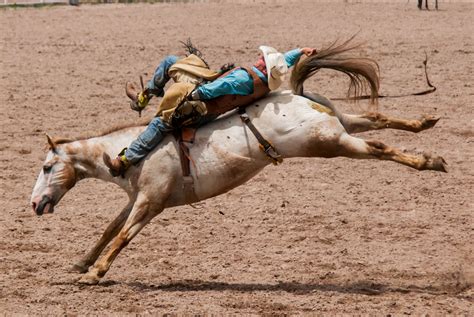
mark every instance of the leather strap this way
{"type": "Point", "coordinates": [264, 145]}
{"type": "Point", "coordinates": [184, 136]}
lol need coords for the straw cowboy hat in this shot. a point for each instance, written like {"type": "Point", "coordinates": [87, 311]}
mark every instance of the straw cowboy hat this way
{"type": "Point", "coordinates": [276, 66]}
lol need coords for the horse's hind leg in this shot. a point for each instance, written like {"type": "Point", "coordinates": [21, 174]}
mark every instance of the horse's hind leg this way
{"type": "Point", "coordinates": [377, 121]}
{"type": "Point", "coordinates": [372, 120]}
{"type": "Point", "coordinates": [143, 211]}
{"type": "Point", "coordinates": [112, 230]}
{"type": "Point", "coordinates": [357, 148]}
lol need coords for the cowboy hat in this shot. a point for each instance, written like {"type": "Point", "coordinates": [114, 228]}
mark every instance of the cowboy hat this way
{"type": "Point", "coordinates": [276, 66]}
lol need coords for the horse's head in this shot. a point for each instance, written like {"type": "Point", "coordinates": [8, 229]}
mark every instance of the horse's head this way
{"type": "Point", "coordinates": [57, 176]}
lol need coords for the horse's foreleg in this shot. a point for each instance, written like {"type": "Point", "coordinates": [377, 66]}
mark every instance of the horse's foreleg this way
{"type": "Point", "coordinates": [377, 121]}
{"type": "Point", "coordinates": [143, 211]}
{"type": "Point", "coordinates": [112, 230]}
{"type": "Point", "coordinates": [357, 148]}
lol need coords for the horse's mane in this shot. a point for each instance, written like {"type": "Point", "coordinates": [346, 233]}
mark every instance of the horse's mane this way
{"type": "Point", "coordinates": [108, 130]}
{"type": "Point", "coordinates": [363, 72]}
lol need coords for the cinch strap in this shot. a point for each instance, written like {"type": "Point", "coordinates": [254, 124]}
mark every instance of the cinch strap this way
{"type": "Point", "coordinates": [264, 145]}
{"type": "Point", "coordinates": [183, 136]}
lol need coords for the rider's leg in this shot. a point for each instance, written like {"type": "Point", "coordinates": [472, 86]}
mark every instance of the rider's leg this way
{"type": "Point", "coordinates": [139, 148]}
{"type": "Point", "coordinates": [154, 87]}
{"type": "Point", "coordinates": [205, 120]}
{"type": "Point", "coordinates": [147, 140]}
{"type": "Point", "coordinates": [161, 77]}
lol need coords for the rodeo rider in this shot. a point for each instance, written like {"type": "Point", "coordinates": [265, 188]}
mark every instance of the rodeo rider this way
{"type": "Point", "coordinates": [237, 87]}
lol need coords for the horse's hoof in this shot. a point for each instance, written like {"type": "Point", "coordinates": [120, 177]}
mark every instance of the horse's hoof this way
{"type": "Point", "coordinates": [428, 122]}
{"type": "Point", "coordinates": [437, 163]}
{"type": "Point", "coordinates": [89, 279]}
{"type": "Point", "coordinates": [440, 164]}
{"type": "Point", "coordinates": [79, 267]}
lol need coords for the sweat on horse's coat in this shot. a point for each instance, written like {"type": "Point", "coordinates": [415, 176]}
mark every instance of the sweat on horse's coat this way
{"type": "Point", "coordinates": [298, 126]}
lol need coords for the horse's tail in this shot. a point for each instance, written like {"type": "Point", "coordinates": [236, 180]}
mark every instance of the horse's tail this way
{"type": "Point", "coordinates": [362, 72]}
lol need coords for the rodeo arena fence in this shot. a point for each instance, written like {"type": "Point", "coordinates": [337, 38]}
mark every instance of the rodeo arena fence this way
{"type": "Point", "coordinates": [77, 2]}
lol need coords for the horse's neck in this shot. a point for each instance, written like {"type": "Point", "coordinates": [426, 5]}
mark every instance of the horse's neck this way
{"type": "Point", "coordinates": [87, 154]}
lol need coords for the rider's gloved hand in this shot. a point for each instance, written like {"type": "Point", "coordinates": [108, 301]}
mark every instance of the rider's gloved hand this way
{"type": "Point", "coordinates": [308, 51]}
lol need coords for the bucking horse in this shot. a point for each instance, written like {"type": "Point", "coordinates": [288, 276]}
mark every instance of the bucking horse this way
{"type": "Point", "coordinates": [224, 153]}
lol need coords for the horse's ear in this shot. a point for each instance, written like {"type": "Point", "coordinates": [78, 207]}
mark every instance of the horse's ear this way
{"type": "Point", "coordinates": [51, 143]}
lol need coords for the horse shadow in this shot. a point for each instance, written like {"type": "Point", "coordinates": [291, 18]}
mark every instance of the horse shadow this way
{"type": "Point", "coordinates": [359, 287]}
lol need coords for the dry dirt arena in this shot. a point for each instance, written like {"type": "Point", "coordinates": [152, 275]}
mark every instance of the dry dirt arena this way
{"type": "Point", "coordinates": [320, 236]}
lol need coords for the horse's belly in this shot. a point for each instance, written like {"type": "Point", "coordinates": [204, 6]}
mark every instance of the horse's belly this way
{"type": "Point", "coordinates": [221, 171]}
{"type": "Point", "coordinates": [217, 170]}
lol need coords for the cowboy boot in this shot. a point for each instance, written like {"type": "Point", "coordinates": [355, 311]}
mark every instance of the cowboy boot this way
{"type": "Point", "coordinates": [117, 166]}
{"type": "Point", "coordinates": [140, 98]}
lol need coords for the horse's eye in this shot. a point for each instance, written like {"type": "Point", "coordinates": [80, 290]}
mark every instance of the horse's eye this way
{"type": "Point", "coordinates": [47, 168]}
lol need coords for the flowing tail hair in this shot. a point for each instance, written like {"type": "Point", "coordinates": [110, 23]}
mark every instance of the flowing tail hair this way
{"type": "Point", "coordinates": [362, 72]}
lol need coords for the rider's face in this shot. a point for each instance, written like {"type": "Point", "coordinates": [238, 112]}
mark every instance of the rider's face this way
{"type": "Point", "coordinates": [260, 64]}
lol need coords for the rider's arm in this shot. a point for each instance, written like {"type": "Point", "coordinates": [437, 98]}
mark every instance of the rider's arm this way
{"type": "Point", "coordinates": [292, 56]}
{"type": "Point", "coordinates": [237, 82]}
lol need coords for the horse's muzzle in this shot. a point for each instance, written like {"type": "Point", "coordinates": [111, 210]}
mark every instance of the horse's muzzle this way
{"type": "Point", "coordinates": [46, 204]}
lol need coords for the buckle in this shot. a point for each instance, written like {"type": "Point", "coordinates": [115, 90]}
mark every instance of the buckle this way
{"type": "Point", "coordinates": [271, 153]}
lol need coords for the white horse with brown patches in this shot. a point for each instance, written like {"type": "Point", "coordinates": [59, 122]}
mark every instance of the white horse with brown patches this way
{"type": "Point", "coordinates": [225, 154]}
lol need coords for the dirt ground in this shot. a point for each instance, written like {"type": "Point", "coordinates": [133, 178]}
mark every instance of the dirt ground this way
{"type": "Point", "coordinates": [310, 236]}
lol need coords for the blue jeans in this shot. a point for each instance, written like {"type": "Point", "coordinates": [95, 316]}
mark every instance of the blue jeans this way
{"type": "Point", "coordinates": [157, 128]}
{"type": "Point", "coordinates": [161, 77]}
{"type": "Point", "coordinates": [147, 140]}
{"type": "Point", "coordinates": [152, 136]}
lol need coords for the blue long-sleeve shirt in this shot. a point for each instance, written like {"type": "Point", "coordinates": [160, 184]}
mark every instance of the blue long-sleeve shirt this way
{"type": "Point", "coordinates": [239, 82]}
